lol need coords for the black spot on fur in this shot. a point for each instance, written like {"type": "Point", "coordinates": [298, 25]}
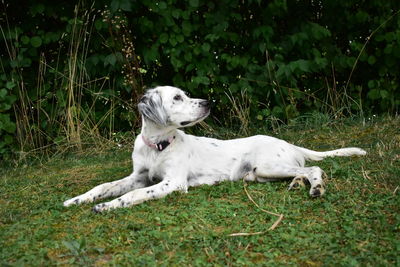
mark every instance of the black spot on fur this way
{"type": "Point", "coordinates": [76, 201]}
{"type": "Point", "coordinates": [190, 177]}
{"type": "Point", "coordinates": [246, 167]}
{"type": "Point", "coordinates": [254, 169]}
{"type": "Point", "coordinates": [143, 171]}
{"type": "Point", "coordinates": [193, 176]}
{"type": "Point", "coordinates": [214, 144]}
{"type": "Point", "coordinates": [234, 159]}
{"type": "Point", "coordinates": [156, 178]}
{"type": "Point", "coordinates": [140, 181]}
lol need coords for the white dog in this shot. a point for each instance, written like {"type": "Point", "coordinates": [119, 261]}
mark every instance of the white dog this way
{"type": "Point", "coordinates": [166, 159]}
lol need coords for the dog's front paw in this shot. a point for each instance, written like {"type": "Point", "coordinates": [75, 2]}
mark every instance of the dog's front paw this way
{"type": "Point", "coordinates": [72, 201]}
{"type": "Point", "coordinates": [101, 207]}
{"type": "Point", "coordinates": [317, 191]}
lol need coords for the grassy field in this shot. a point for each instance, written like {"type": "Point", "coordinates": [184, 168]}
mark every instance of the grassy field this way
{"type": "Point", "coordinates": [357, 222]}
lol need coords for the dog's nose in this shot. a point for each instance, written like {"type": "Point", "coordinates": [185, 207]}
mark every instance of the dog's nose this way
{"type": "Point", "coordinates": [204, 103]}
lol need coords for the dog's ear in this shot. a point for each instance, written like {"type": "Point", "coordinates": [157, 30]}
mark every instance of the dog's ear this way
{"type": "Point", "coordinates": [151, 108]}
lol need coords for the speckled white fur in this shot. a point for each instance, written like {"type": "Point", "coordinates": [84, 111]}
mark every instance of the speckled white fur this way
{"type": "Point", "coordinates": [191, 161]}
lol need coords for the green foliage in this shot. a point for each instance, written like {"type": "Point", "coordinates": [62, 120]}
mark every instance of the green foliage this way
{"type": "Point", "coordinates": [290, 57]}
{"type": "Point", "coordinates": [282, 53]}
{"type": "Point", "coordinates": [7, 126]}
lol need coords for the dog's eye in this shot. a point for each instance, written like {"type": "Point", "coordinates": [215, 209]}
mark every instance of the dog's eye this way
{"type": "Point", "coordinates": [178, 97]}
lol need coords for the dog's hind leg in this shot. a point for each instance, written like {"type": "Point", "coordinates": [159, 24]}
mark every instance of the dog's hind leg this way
{"type": "Point", "coordinates": [135, 180]}
{"type": "Point", "coordinates": [298, 182]}
{"type": "Point", "coordinates": [266, 172]}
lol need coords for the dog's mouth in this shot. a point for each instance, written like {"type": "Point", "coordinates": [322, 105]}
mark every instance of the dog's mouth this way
{"type": "Point", "coordinates": [200, 118]}
{"type": "Point", "coordinates": [184, 123]}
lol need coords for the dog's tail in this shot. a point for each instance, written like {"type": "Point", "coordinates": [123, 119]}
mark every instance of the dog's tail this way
{"type": "Point", "coordinates": [342, 152]}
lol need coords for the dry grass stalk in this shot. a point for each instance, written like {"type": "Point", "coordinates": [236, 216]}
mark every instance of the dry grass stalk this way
{"type": "Point", "coordinates": [241, 110]}
{"type": "Point", "coordinates": [273, 226]}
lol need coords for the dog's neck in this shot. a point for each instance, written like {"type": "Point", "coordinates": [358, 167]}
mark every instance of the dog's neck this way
{"type": "Point", "coordinates": [157, 137]}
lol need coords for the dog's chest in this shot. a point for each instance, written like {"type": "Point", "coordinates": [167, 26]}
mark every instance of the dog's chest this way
{"type": "Point", "coordinates": [157, 164]}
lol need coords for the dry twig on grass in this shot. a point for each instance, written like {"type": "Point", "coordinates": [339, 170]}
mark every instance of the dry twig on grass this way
{"type": "Point", "coordinates": [273, 226]}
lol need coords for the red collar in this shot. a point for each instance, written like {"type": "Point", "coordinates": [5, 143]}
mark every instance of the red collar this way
{"type": "Point", "coordinates": [160, 146]}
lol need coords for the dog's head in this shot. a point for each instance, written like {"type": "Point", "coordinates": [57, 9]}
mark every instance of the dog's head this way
{"type": "Point", "coordinates": [170, 106]}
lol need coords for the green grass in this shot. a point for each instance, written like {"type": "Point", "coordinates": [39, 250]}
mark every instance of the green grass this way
{"type": "Point", "coordinates": [357, 222]}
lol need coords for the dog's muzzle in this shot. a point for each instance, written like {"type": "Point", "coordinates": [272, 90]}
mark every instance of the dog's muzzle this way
{"type": "Point", "coordinates": [205, 104]}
